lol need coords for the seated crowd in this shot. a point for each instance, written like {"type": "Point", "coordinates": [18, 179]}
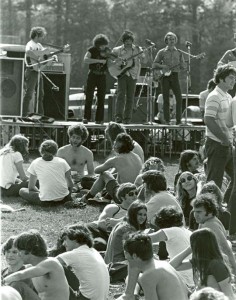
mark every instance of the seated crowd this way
{"type": "Point", "coordinates": [165, 240]}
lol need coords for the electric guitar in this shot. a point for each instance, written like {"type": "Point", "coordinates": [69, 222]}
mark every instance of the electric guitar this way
{"type": "Point", "coordinates": [38, 59]}
{"type": "Point", "coordinates": [158, 73]}
{"type": "Point", "coordinates": [119, 66]}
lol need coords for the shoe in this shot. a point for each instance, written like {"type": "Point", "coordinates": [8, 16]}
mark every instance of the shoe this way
{"type": "Point", "coordinates": [85, 121]}
{"type": "Point", "coordinates": [98, 200]}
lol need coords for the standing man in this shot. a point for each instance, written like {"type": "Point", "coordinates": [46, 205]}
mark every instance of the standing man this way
{"type": "Point", "coordinates": [170, 59]}
{"type": "Point", "coordinates": [95, 58]}
{"type": "Point", "coordinates": [219, 137]}
{"type": "Point", "coordinates": [229, 57]}
{"type": "Point", "coordinates": [37, 34]}
{"type": "Point", "coordinates": [127, 81]}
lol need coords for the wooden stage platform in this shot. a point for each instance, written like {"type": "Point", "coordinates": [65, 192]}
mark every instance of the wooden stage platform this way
{"type": "Point", "coordinates": [156, 139]}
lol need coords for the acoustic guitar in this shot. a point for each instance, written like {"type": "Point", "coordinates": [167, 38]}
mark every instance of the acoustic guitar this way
{"type": "Point", "coordinates": [158, 73]}
{"type": "Point", "coordinates": [38, 59]}
{"type": "Point", "coordinates": [117, 67]}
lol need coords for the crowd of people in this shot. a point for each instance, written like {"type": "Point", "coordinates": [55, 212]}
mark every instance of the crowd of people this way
{"type": "Point", "coordinates": [166, 241]}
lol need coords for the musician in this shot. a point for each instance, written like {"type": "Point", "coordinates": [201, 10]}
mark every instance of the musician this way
{"type": "Point", "coordinates": [170, 59]}
{"type": "Point", "coordinates": [127, 82]}
{"type": "Point", "coordinates": [37, 34]}
{"type": "Point", "coordinates": [229, 57]}
{"type": "Point", "coordinates": [95, 57]}
{"type": "Point", "coordinates": [160, 115]}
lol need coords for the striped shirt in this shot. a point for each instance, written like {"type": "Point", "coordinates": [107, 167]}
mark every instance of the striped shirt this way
{"type": "Point", "coordinates": [217, 105]}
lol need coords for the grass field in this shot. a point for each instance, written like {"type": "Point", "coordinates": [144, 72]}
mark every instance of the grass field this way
{"type": "Point", "coordinates": [50, 220]}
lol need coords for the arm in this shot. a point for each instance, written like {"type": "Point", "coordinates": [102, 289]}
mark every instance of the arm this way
{"type": "Point", "coordinates": [106, 166]}
{"type": "Point", "coordinates": [216, 130]}
{"type": "Point", "coordinates": [177, 261]}
{"type": "Point", "coordinates": [226, 288]}
{"type": "Point", "coordinates": [149, 287]}
{"type": "Point", "coordinates": [132, 279]}
{"type": "Point", "coordinates": [32, 183]}
{"type": "Point", "coordinates": [158, 236]}
{"type": "Point", "coordinates": [69, 180]}
{"type": "Point", "coordinates": [90, 166]}
{"type": "Point", "coordinates": [36, 271]}
{"type": "Point", "coordinates": [88, 60]}
{"type": "Point", "coordinates": [20, 170]}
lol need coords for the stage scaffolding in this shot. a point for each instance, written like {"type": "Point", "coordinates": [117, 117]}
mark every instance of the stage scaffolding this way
{"type": "Point", "coordinates": [155, 139]}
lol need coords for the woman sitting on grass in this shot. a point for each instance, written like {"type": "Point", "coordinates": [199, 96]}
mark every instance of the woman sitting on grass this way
{"type": "Point", "coordinates": [208, 264]}
{"type": "Point", "coordinates": [186, 192]}
{"type": "Point", "coordinates": [54, 178]}
{"type": "Point", "coordinates": [11, 165]}
{"type": "Point", "coordinates": [136, 220]}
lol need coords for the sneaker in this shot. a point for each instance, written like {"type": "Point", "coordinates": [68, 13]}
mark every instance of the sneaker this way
{"type": "Point", "coordinates": [98, 200]}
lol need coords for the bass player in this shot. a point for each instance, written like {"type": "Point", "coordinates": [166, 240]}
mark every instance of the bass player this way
{"type": "Point", "coordinates": [37, 34]}
{"type": "Point", "coordinates": [170, 59]}
{"type": "Point", "coordinates": [127, 80]}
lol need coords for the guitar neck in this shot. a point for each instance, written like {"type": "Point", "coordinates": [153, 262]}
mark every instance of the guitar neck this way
{"type": "Point", "coordinates": [54, 53]}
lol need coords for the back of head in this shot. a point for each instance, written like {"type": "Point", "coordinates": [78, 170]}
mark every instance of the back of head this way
{"type": "Point", "coordinates": [32, 243]}
{"type": "Point", "coordinates": [212, 188]}
{"type": "Point", "coordinates": [169, 216]}
{"type": "Point", "coordinates": [153, 162]}
{"type": "Point", "coordinates": [208, 293]}
{"type": "Point", "coordinates": [113, 129]}
{"type": "Point", "coordinates": [223, 71]}
{"type": "Point", "coordinates": [139, 244]}
{"type": "Point", "coordinates": [9, 293]}
{"type": "Point", "coordinates": [48, 149]}
{"type": "Point", "coordinates": [124, 189]}
{"type": "Point", "coordinates": [80, 130]}
{"type": "Point", "coordinates": [154, 180]}
{"type": "Point", "coordinates": [18, 143]}
{"type": "Point", "coordinates": [211, 84]}
{"type": "Point", "coordinates": [37, 31]}
{"type": "Point", "coordinates": [79, 233]}
{"type": "Point", "coordinates": [123, 143]}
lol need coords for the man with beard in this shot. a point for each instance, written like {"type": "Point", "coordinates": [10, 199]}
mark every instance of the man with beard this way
{"type": "Point", "coordinates": [77, 155]}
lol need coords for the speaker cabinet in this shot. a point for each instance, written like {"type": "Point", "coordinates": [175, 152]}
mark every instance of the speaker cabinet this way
{"type": "Point", "coordinates": [12, 80]}
{"type": "Point", "coordinates": [140, 110]}
{"type": "Point", "coordinates": [56, 102]}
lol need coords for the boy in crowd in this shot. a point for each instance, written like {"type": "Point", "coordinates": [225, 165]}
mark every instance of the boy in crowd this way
{"type": "Point", "coordinates": [47, 274]}
{"type": "Point", "coordinates": [150, 273]}
{"type": "Point", "coordinates": [86, 263]}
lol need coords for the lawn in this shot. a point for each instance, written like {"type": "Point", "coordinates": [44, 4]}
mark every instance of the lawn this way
{"type": "Point", "coordinates": [50, 220]}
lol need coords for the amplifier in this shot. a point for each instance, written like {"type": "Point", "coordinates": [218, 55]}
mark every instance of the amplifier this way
{"type": "Point", "coordinates": [55, 67]}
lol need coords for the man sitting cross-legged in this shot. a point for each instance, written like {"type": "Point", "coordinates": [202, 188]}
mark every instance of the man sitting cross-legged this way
{"type": "Point", "coordinates": [126, 163]}
{"type": "Point", "coordinates": [86, 263]}
{"type": "Point", "coordinates": [47, 274]}
{"type": "Point", "coordinates": [78, 156]}
{"type": "Point", "coordinates": [158, 279]}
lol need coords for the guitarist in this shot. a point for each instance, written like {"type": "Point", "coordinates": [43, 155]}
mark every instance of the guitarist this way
{"type": "Point", "coordinates": [229, 57]}
{"type": "Point", "coordinates": [127, 82]}
{"type": "Point", "coordinates": [96, 59]}
{"type": "Point", "coordinates": [170, 58]}
{"type": "Point", "coordinates": [37, 34]}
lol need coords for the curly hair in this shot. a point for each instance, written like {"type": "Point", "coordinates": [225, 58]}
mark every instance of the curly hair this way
{"type": "Point", "coordinates": [31, 242]}
{"type": "Point", "coordinates": [125, 143]}
{"type": "Point", "coordinates": [113, 129]}
{"type": "Point", "coordinates": [78, 232]}
{"type": "Point", "coordinates": [80, 130]}
{"type": "Point", "coordinates": [48, 149]}
{"type": "Point", "coordinates": [206, 201]}
{"type": "Point", "coordinates": [169, 216]}
{"type": "Point", "coordinates": [155, 180]}
{"type": "Point", "coordinates": [151, 162]}
{"type": "Point", "coordinates": [223, 71]}
{"type": "Point", "coordinates": [37, 31]}
{"type": "Point", "coordinates": [127, 34]}
{"type": "Point", "coordinates": [100, 40]}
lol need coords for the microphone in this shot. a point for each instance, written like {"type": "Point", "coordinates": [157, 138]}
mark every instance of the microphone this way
{"type": "Point", "coordinates": [188, 44]}
{"type": "Point", "coordinates": [149, 42]}
{"type": "Point", "coordinates": [55, 88]}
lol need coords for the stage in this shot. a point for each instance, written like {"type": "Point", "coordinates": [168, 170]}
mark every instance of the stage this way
{"type": "Point", "coordinates": [155, 139]}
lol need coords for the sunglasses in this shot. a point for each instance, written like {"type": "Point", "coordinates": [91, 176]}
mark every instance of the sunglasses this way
{"type": "Point", "coordinates": [188, 178]}
{"type": "Point", "coordinates": [133, 193]}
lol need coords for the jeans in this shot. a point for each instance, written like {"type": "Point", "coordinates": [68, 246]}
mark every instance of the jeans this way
{"type": "Point", "coordinates": [232, 200]}
{"type": "Point", "coordinates": [14, 189]}
{"type": "Point", "coordinates": [31, 79]}
{"type": "Point", "coordinates": [219, 160]}
{"type": "Point", "coordinates": [94, 81]}
{"type": "Point", "coordinates": [125, 98]}
{"type": "Point", "coordinates": [171, 82]}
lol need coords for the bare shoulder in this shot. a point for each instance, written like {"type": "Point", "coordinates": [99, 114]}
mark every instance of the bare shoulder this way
{"type": "Point", "coordinates": [50, 263]}
{"type": "Point", "coordinates": [64, 149]}
{"type": "Point", "coordinates": [85, 150]}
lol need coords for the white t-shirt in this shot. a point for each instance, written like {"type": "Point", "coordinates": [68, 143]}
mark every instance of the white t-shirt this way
{"type": "Point", "coordinates": [178, 239]}
{"type": "Point", "coordinates": [31, 45]}
{"type": "Point", "coordinates": [51, 176]}
{"type": "Point", "coordinates": [91, 270]}
{"type": "Point", "coordinates": [8, 169]}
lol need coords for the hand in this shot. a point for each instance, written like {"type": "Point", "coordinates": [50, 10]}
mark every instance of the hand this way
{"type": "Point", "coordinates": [225, 143]}
{"type": "Point", "coordinates": [7, 280]}
{"type": "Point", "coordinates": [103, 61]}
{"type": "Point", "coordinates": [110, 223]}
